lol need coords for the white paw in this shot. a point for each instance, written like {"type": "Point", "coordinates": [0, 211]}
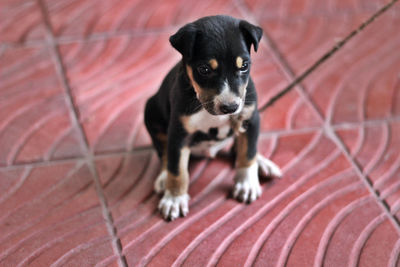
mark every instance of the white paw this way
{"type": "Point", "coordinates": [173, 206]}
{"type": "Point", "coordinates": [247, 186]}
{"type": "Point", "coordinates": [159, 184]}
{"type": "Point", "coordinates": [268, 168]}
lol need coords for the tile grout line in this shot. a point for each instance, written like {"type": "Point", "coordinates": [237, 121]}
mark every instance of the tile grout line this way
{"type": "Point", "coordinates": [283, 64]}
{"type": "Point", "coordinates": [60, 69]}
{"type": "Point", "coordinates": [154, 30]}
{"type": "Point", "coordinates": [70, 160]}
{"type": "Point", "coordinates": [73, 114]}
{"type": "Point", "coordinates": [365, 123]}
{"type": "Point", "coordinates": [283, 132]}
{"type": "Point", "coordinates": [288, 71]}
{"type": "Point", "coordinates": [91, 37]}
{"type": "Point", "coordinates": [330, 133]}
{"type": "Point", "coordinates": [116, 242]}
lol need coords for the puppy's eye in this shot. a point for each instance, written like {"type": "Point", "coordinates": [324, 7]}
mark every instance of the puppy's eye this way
{"type": "Point", "coordinates": [245, 67]}
{"type": "Point", "coordinates": [204, 70]}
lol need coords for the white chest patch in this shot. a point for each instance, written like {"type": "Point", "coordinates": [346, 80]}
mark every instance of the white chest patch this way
{"type": "Point", "coordinates": [203, 121]}
{"type": "Point", "coordinates": [210, 149]}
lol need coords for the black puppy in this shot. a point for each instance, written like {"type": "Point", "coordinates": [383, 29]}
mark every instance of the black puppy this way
{"type": "Point", "coordinates": [207, 100]}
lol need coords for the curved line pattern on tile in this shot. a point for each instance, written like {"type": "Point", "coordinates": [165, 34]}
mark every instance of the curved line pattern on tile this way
{"type": "Point", "coordinates": [42, 194]}
{"type": "Point", "coordinates": [292, 238]}
{"type": "Point", "coordinates": [380, 150]}
{"type": "Point", "coordinates": [391, 189]}
{"type": "Point", "coordinates": [108, 75]}
{"type": "Point", "coordinates": [258, 245]}
{"type": "Point", "coordinates": [40, 250]}
{"type": "Point", "coordinates": [143, 214]}
{"type": "Point", "coordinates": [362, 239]}
{"type": "Point", "coordinates": [314, 143]}
{"type": "Point", "coordinates": [333, 225]}
{"type": "Point", "coordinates": [193, 203]}
{"type": "Point", "coordinates": [90, 212]}
{"type": "Point", "coordinates": [11, 191]}
{"type": "Point", "coordinates": [167, 238]}
{"type": "Point", "coordinates": [57, 142]}
{"type": "Point", "coordinates": [294, 109]}
{"type": "Point", "coordinates": [24, 138]}
{"type": "Point", "coordinates": [204, 234]}
{"type": "Point", "coordinates": [395, 255]}
{"type": "Point", "coordinates": [214, 258]}
{"type": "Point", "coordinates": [391, 172]}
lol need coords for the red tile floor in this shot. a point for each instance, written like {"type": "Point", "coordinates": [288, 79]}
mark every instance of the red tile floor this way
{"type": "Point", "coordinates": [77, 167]}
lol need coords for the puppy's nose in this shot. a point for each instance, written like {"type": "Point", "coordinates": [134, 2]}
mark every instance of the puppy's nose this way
{"type": "Point", "coordinates": [229, 108]}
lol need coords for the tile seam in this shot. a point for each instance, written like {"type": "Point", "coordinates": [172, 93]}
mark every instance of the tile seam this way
{"type": "Point", "coordinates": [330, 133]}
{"type": "Point", "coordinates": [321, 14]}
{"type": "Point", "coordinates": [284, 68]}
{"type": "Point", "coordinates": [288, 71]}
{"type": "Point", "coordinates": [107, 215]}
{"type": "Point", "coordinates": [365, 123]}
{"type": "Point", "coordinates": [61, 73]}
{"type": "Point", "coordinates": [167, 28]}
{"type": "Point", "coordinates": [74, 116]}
{"type": "Point", "coordinates": [269, 133]}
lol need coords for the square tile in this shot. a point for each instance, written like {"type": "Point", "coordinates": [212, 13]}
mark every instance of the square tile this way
{"type": "Point", "coordinates": [83, 18]}
{"type": "Point", "coordinates": [375, 148]}
{"type": "Point", "coordinates": [289, 112]}
{"type": "Point", "coordinates": [34, 120]}
{"type": "Point", "coordinates": [359, 82]}
{"type": "Point", "coordinates": [21, 21]}
{"type": "Point", "coordinates": [111, 81]}
{"type": "Point", "coordinates": [51, 214]}
{"type": "Point", "coordinates": [303, 40]}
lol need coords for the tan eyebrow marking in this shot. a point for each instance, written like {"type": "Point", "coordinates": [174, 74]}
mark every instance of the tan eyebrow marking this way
{"type": "Point", "coordinates": [239, 62]}
{"type": "Point", "coordinates": [213, 63]}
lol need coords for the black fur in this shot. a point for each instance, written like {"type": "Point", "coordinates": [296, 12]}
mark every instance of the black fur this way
{"type": "Point", "coordinates": [219, 37]}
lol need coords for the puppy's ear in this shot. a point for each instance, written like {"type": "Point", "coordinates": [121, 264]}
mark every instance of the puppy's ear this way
{"type": "Point", "coordinates": [252, 34]}
{"type": "Point", "coordinates": [184, 39]}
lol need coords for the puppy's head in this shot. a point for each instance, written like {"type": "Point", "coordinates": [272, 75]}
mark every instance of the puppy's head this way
{"type": "Point", "coordinates": [216, 55]}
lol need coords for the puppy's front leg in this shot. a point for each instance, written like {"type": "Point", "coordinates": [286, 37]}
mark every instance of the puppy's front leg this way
{"type": "Point", "coordinates": [176, 199]}
{"type": "Point", "coordinates": [247, 186]}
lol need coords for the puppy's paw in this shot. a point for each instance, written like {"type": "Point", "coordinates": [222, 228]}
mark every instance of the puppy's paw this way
{"type": "Point", "coordinates": [247, 186]}
{"type": "Point", "coordinates": [268, 168]}
{"type": "Point", "coordinates": [172, 206]}
{"type": "Point", "coordinates": [159, 184]}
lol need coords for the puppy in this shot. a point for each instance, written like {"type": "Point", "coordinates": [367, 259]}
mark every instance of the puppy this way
{"type": "Point", "coordinates": [204, 102]}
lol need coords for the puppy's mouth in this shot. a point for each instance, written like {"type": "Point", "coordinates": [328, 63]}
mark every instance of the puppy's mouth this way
{"type": "Point", "coordinates": [214, 107]}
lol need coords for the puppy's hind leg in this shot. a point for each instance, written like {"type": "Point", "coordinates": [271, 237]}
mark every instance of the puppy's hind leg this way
{"type": "Point", "coordinates": [267, 168]}
{"type": "Point", "coordinates": [159, 184]}
{"type": "Point", "coordinates": [158, 134]}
